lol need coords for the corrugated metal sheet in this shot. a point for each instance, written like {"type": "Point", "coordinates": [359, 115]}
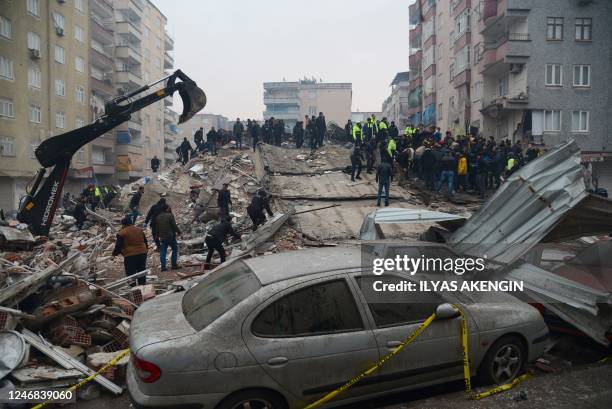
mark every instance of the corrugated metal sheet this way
{"type": "Point", "coordinates": [401, 216]}
{"type": "Point", "coordinates": [525, 208]}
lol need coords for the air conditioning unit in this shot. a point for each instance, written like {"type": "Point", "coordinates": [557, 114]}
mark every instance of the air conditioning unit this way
{"type": "Point", "coordinates": [516, 68]}
{"type": "Point", "coordinates": [34, 53]}
{"type": "Point", "coordinates": [59, 31]}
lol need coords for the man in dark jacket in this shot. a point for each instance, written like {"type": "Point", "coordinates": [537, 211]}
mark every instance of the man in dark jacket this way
{"type": "Point", "coordinates": [185, 149]}
{"type": "Point", "coordinates": [356, 163]}
{"type": "Point", "coordinates": [311, 130]}
{"type": "Point", "coordinates": [153, 212]}
{"type": "Point", "coordinates": [321, 128]}
{"type": "Point", "coordinates": [80, 213]}
{"type": "Point", "coordinates": [238, 130]}
{"type": "Point", "coordinates": [259, 203]}
{"type": "Point", "coordinates": [255, 132]}
{"type": "Point", "coordinates": [448, 165]}
{"type": "Point", "coordinates": [131, 242]}
{"type": "Point", "coordinates": [393, 131]}
{"type": "Point", "coordinates": [428, 165]}
{"type": "Point", "coordinates": [155, 162]}
{"type": "Point", "coordinates": [298, 134]}
{"type": "Point", "coordinates": [348, 130]}
{"type": "Point", "coordinates": [224, 200]}
{"type": "Point", "coordinates": [384, 176]}
{"type": "Point", "coordinates": [167, 231]}
{"type": "Point", "coordinates": [135, 203]}
{"type": "Point", "coordinates": [211, 138]}
{"type": "Point", "coordinates": [278, 130]}
{"type": "Point", "coordinates": [215, 238]}
{"type": "Point", "coordinates": [198, 138]}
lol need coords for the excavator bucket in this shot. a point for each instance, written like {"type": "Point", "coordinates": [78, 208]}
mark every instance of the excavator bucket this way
{"type": "Point", "coordinates": [194, 100]}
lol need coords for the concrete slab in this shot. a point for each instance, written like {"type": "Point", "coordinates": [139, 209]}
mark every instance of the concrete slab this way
{"type": "Point", "coordinates": [299, 161]}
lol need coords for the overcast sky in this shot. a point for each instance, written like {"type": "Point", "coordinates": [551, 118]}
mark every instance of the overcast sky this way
{"type": "Point", "coordinates": [230, 47]}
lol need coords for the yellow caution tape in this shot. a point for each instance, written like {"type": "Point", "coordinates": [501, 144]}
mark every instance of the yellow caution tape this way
{"type": "Point", "coordinates": [466, 365]}
{"type": "Point", "coordinates": [109, 364]}
{"type": "Point", "coordinates": [379, 364]}
{"type": "Point", "coordinates": [501, 388]}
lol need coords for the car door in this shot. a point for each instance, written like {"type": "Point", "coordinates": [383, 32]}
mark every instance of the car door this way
{"type": "Point", "coordinates": [312, 338]}
{"type": "Point", "coordinates": [436, 354]}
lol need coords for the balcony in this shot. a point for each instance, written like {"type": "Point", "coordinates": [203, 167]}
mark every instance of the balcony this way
{"type": "Point", "coordinates": [462, 77]}
{"type": "Point", "coordinates": [430, 42]}
{"type": "Point", "coordinates": [429, 99]}
{"type": "Point", "coordinates": [461, 41]}
{"type": "Point", "coordinates": [281, 100]}
{"type": "Point", "coordinates": [105, 169]}
{"type": "Point", "coordinates": [128, 78]}
{"type": "Point", "coordinates": [135, 125]}
{"type": "Point", "coordinates": [494, 106]}
{"type": "Point", "coordinates": [105, 141]}
{"type": "Point", "coordinates": [100, 59]}
{"type": "Point", "coordinates": [105, 89]}
{"type": "Point", "coordinates": [128, 148]}
{"type": "Point", "coordinates": [102, 8]}
{"type": "Point", "coordinates": [128, 30]}
{"type": "Point", "coordinates": [497, 14]}
{"type": "Point", "coordinates": [101, 32]}
{"type": "Point", "coordinates": [282, 115]}
{"type": "Point", "coordinates": [168, 61]}
{"type": "Point", "coordinates": [129, 53]}
{"type": "Point", "coordinates": [130, 8]}
{"type": "Point", "coordinates": [458, 6]}
{"type": "Point", "coordinates": [168, 42]}
{"type": "Point", "coordinates": [510, 48]}
{"type": "Point", "coordinates": [429, 71]}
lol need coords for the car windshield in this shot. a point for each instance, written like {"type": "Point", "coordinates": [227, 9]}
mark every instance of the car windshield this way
{"type": "Point", "coordinates": [217, 293]}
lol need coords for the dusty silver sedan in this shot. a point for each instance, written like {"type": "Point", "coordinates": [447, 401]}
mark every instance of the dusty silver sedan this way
{"type": "Point", "coordinates": [281, 331]}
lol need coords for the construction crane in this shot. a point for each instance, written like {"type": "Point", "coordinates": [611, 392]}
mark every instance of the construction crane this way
{"type": "Point", "coordinates": [39, 204]}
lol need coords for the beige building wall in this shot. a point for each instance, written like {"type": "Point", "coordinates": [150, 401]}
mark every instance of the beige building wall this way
{"type": "Point", "coordinates": [334, 100]}
{"type": "Point", "coordinates": [55, 25]}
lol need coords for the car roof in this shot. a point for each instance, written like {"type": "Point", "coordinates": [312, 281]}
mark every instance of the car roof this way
{"type": "Point", "coordinates": [292, 264]}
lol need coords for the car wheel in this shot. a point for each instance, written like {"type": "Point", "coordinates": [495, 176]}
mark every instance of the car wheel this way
{"type": "Point", "coordinates": [256, 399]}
{"type": "Point", "coordinates": [504, 361]}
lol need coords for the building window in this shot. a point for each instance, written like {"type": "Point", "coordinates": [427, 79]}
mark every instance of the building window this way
{"type": "Point", "coordinates": [60, 88]}
{"type": "Point", "coordinates": [79, 5]}
{"type": "Point", "coordinates": [552, 121]}
{"type": "Point", "coordinates": [429, 57]}
{"type": "Point", "coordinates": [60, 54]}
{"type": "Point", "coordinates": [79, 64]}
{"type": "Point", "coordinates": [35, 114]}
{"type": "Point", "coordinates": [462, 60]}
{"type": "Point", "coordinates": [462, 24]}
{"type": "Point", "coordinates": [34, 77]}
{"type": "Point", "coordinates": [7, 146]}
{"type": "Point", "coordinates": [33, 7]}
{"type": "Point", "coordinates": [59, 20]}
{"type": "Point", "coordinates": [33, 41]}
{"type": "Point", "coordinates": [554, 28]}
{"type": "Point", "coordinates": [79, 34]}
{"type": "Point", "coordinates": [79, 123]}
{"type": "Point", "coordinates": [60, 120]}
{"type": "Point", "coordinates": [5, 28]}
{"type": "Point", "coordinates": [502, 86]}
{"type": "Point", "coordinates": [6, 68]}
{"type": "Point", "coordinates": [80, 155]}
{"type": "Point", "coordinates": [583, 29]}
{"type": "Point", "coordinates": [477, 93]}
{"type": "Point", "coordinates": [582, 75]}
{"type": "Point", "coordinates": [7, 108]}
{"type": "Point", "coordinates": [554, 75]}
{"type": "Point", "coordinates": [580, 121]}
{"type": "Point", "coordinates": [79, 95]}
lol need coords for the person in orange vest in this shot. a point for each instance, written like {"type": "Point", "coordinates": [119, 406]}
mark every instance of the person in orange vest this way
{"type": "Point", "coordinates": [132, 244]}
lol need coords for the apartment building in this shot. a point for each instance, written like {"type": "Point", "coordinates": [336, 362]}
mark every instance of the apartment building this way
{"type": "Point", "coordinates": [395, 107]}
{"type": "Point", "coordinates": [291, 101]}
{"type": "Point", "coordinates": [44, 87]}
{"type": "Point", "coordinates": [531, 70]}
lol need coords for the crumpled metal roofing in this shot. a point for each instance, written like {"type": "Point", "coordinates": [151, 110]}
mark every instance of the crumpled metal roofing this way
{"type": "Point", "coordinates": [398, 215]}
{"type": "Point", "coordinates": [525, 208]}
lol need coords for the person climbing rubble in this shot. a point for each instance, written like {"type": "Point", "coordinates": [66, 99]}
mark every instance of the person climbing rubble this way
{"type": "Point", "coordinates": [132, 244]}
{"type": "Point", "coordinates": [152, 214]}
{"type": "Point", "coordinates": [167, 231]}
{"type": "Point", "coordinates": [224, 201]}
{"type": "Point", "coordinates": [259, 203]}
{"type": "Point", "coordinates": [215, 238]}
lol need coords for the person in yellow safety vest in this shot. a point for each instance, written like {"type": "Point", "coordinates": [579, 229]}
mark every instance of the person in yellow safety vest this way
{"type": "Point", "coordinates": [391, 147]}
{"type": "Point", "coordinates": [510, 165]}
{"type": "Point", "coordinates": [357, 134]}
{"type": "Point", "coordinates": [95, 201]}
{"type": "Point", "coordinates": [374, 124]}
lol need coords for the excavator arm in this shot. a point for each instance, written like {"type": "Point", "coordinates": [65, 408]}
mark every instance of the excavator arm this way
{"type": "Point", "coordinates": [38, 206]}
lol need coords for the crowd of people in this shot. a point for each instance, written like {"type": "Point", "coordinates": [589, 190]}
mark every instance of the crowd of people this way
{"type": "Point", "coordinates": [470, 163]}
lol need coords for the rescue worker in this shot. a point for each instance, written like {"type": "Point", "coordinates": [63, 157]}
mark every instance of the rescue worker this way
{"type": "Point", "coordinates": [135, 203]}
{"type": "Point", "coordinates": [215, 238]}
{"type": "Point", "coordinates": [259, 203]}
{"type": "Point", "coordinates": [224, 200]}
{"type": "Point", "coordinates": [348, 129]}
{"type": "Point", "coordinates": [95, 198]}
{"type": "Point", "coordinates": [391, 147]}
{"type": "Point", "coordinates": [312, 132]}
{"type": "Point", "coordinates": [255, 131]}
{"type": "Point", "coordinates": [357, 134]}
{"type": "Point", "coordinates": [185, 149]}
{"type": "Point", "coordinates": [298, 134]}
{"type": "Point", "coordinates": [211, 139]}
{"type": "Point", "coordinates": [321, 129]}
{"type": "Point", "coordinates": [384, 176]}
{"type": "Point", "coordinates": [153, 212]}
{"type": "Point", "coordinates": [167, 231]}
{"type": "Point", "coordinates": [238, 130]}
{"type": "Point", "coordinates": [131, 242]}
{"type": "Point", "coordinates": [198, 139]}
{"type": "Point", "coordinates": [80, 212]}
{"type": "Point", "coordinates": [155, 162]}
{"type": "Point", "coordinates": [356, 163]}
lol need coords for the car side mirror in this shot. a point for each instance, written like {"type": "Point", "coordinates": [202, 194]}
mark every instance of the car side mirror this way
{"type": "Point", "coordinates": [446, 311]}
